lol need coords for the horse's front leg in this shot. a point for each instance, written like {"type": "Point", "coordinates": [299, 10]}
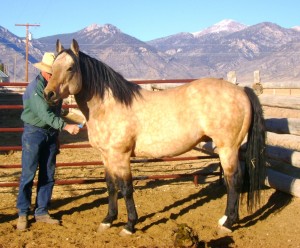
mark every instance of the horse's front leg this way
{"type": "Point", "coordinates": [233, 180]}
{"type": "Point", "coordinates": [112, 203]}
{"type": "Point", "coordinates": [119, 177]}
{"type": "Point", "coordinates": [126, 187]}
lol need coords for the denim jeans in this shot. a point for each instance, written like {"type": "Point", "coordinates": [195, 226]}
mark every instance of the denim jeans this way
{"type": "Point", "coordinates": [39, 149]}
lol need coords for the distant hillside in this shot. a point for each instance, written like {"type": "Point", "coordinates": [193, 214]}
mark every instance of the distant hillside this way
{"type": "Point", "coordinates": [266, 47]}
{"type": "Point", "coordinates": [211, 52]}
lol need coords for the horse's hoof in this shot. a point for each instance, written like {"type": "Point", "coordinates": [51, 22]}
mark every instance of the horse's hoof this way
{"type": "Point", "coordinates": [103, 226]}
{"type": "Point", "coordinates": [125, 233]}
{"type": "Point", "coordinates": [222, 220]}
{"type": "Point", "coordinates": [224, 230]}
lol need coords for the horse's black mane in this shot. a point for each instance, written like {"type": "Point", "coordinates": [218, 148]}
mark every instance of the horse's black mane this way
{"type": "Point", "coordinates": [97, 77]}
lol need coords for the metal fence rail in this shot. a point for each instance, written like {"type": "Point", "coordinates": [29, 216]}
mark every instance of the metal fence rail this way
{"type": "Point", "coordinates": [99, 163]}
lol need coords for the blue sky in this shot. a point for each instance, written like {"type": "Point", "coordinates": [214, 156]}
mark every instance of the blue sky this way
{"type": "Point", "coordinates": [143, 19]}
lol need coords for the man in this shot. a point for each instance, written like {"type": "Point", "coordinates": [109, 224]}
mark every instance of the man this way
{"type": "Point", "coordinates": [42, 124]}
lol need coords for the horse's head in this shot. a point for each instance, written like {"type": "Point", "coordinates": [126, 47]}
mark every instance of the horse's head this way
{"type": "Point", "coordinates": [66, 76]}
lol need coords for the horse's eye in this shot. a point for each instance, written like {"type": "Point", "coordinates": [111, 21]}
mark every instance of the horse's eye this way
{"type": "Point", "coordinates": [70, 69]}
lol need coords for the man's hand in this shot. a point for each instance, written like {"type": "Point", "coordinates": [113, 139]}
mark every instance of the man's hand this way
{"type": "Point", "coordinates": [72, 128]}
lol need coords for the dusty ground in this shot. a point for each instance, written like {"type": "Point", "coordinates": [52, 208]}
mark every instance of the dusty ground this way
{"type": "Point", "coordinates": [162, 206]}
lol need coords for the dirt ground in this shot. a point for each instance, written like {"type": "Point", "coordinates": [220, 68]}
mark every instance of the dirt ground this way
{"type": "Point", "coordinates": [164, 207]}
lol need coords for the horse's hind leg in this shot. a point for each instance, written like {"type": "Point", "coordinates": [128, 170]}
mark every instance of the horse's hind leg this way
{"type": "Point", "coordinates": [233, 179]}
{"type": "Point", "coordinates": [112, 203]}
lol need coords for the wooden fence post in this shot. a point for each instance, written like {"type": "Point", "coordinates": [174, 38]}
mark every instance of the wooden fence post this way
{"type": "Point", "coordinates": [256, 75]}
{"type": "Point", "coordinates": [231, 77]}
{"type": "Point", "coordinates": [257, 86]}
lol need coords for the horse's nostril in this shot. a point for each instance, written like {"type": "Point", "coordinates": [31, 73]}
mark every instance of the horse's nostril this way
{"type": "Point", "coordinates": [50, 95]}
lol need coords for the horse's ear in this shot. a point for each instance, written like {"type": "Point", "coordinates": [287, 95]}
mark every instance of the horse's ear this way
{"type": "Point", "coordinates": [75, 47]}
{"type": "Point", "coordinates": [59, 46]}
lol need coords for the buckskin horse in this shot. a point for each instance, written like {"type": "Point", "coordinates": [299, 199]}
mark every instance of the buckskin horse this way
{"type": "Point", "coordinates": [125, 120]}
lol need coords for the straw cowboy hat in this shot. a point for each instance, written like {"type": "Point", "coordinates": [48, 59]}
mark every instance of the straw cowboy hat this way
{"type": "Point", "coordinates": [46, 63]}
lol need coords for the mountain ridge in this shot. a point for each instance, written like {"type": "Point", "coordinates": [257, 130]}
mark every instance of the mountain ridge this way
{"type": "Point", "coordinates": [211, 52]}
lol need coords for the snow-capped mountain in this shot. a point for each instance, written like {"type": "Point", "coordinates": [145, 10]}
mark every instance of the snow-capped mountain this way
{"type": "Point", "coordinates": [212, 52]}
{"type": "Point", "coordinates": [108, 29]}
{"type": "Point", "coordinates": [297, 28]}
{"type": "Point", "coordinates": [96, 33]}
{"type": "Point", "coordinates": [124, 53]}
{"type": "Point", "coordinates": [226, 25]}
{"type": "Point", "coordinates": [263, 46]}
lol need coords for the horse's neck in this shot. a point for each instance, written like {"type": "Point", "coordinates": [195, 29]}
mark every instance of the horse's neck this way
{"type": "Point", "coordinates": [82, 104]}
{"type": "Point", "coordinates": [89, 104]}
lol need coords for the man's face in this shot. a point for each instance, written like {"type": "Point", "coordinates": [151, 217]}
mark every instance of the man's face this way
{"type": "Point", "coordinates": [46, 75]}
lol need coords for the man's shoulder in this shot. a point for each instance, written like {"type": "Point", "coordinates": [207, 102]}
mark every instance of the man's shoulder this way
{"type": "Point", "coordinates": [36, 85]}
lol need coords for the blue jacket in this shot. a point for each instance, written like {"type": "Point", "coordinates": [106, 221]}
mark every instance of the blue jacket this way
{"type": "Point", "coordinates": [37, 111]}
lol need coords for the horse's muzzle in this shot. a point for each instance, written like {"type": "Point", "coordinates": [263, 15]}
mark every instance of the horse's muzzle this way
{"type": "Point", "coordinates": [50, 97]}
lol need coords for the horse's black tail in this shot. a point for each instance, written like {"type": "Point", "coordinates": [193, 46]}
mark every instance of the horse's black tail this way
{"type": "Point", "coordinates": [255, 159]}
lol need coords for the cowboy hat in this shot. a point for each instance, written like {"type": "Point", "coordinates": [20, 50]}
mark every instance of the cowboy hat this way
{"type": "Point", "coordinates": [46, 63]}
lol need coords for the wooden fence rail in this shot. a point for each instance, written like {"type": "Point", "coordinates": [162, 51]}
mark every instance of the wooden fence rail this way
{"type": "Point", "coordinates": [290, 102]}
